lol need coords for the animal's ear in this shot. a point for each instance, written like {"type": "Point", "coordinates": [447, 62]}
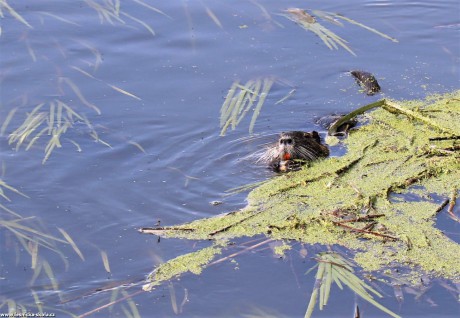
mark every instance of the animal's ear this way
{"type": "Point", "coordinates": [316, 136]}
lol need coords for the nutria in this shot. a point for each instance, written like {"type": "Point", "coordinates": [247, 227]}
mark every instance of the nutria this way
{"type": "Point", "coordinates": [367, 81]}
{"type": "Point", "coordinates": [293, 149]}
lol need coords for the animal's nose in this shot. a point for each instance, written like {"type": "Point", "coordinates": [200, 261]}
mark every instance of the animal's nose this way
{"type": "Point", "coordinates": [286, 141]}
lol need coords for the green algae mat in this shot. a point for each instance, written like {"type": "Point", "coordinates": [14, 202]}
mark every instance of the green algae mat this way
{"type": "Point", "coordinates": [380, 200]}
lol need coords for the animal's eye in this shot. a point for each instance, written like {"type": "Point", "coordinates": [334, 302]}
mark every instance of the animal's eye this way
{"type": "Point", "coordinates": [289, 141]}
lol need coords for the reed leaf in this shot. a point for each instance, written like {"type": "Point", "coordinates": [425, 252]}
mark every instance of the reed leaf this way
{"type": "Point", "coordinates": [248, 102]}
{"type": "Point", "coordinates": [127, 313]}
{"type": "Point", "coordinates": [33, 248]}
{"type": "Point", "coordinates": [286, 97]}
{"type": "Point", "coordinates": [107, 12]}
{"type": "Point", "coordinates": [6, 186]}
{"type": "Point", "coordinates": [308, 22]}
{"type": "Point", "coordinates": [172, 295]}
{"type": "Point", "coordinates": [20, 235]}
{"type": "Point", "coordinates": [240, 100]}
{"type": "Point", "coordinates": [59, 18]}
{"type": "Point", "coordinates": [13, 13]}
{"type": "Point", "coordinates": [49, 272]}
{"type": "Point", "coordinates": [77, 92]}
{"type": "Point", "coordinates": [72, 243]}
{"type": "Point", "coordinates": [37, 300]}
{"type": "Point", "coordinates": [9, 210]}
{"type": "Point", "coordinates": [213, 17]}
{"type": "Point", "coordinates": [268, 82]}
{"type": "Point", "coordinates": [76, 145]}
{"type": "Point", "coordinates": [105, 261]}
{"type": "Point", "coordinates": [113, 298]}
{"type": "Point", "coordinates": [333, 267]}
{"type": "Point", "coordinates": [137, 145]}
{"type": "Point", "coordinates": [328, 283]}
{"type": "Point", "coordinates": [365, 27]}
{"type": "Point", "coordinates": [312, 303]}
{"type": "Point", "coordinates": [131, 304]}
{"type": "Point", "coordinates": [118, 89]}
{"type": "Point", "coordinates": [7, 120]}
{"type": "Point", "coordinates": [227, 102]}
{"type": "Point", "coordinates": [53, 118]}
{"type": "Point", "coordinates": [11, 306]}
{"type": "Point", "coordinates": [145, 25]}
{"type": "Point", "coordinates": [151, 8]}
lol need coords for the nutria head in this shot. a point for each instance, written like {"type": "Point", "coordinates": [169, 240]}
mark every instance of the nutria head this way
{"type": "Point", "coordinates": [294, 147]}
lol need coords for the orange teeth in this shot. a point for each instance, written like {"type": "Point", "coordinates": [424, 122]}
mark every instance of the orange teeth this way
{"type": "Point", "coordinates": [286, 156]}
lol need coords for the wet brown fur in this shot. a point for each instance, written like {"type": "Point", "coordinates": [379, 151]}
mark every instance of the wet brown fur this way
{"type": "Point", "coordinates": [299, 145]}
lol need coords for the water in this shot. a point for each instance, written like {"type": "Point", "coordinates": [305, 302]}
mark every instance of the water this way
{"type": "Point", "coordinates": [101, 195]}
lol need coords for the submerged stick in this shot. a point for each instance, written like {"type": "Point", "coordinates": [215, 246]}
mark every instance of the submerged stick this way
{"type": "Point", "coordinates": [353, 229]}
{"type": "Point", "coordinates": [159, 231]}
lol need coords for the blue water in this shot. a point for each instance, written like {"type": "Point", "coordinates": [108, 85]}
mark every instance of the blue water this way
{"type": "Point", "coordinates": [101, 195]}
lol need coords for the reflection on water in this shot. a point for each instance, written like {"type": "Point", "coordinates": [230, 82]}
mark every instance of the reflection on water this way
{"type": "Point", "coordinates": [158, 73]}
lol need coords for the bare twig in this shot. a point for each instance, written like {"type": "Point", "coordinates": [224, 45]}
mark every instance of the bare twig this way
{"type": "Point", "coordinates": [363, 218]}
{"type": "Point", "coordinates": [353, 229]}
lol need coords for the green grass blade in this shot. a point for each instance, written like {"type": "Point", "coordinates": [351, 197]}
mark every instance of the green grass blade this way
{"type": "Point", "coordinates": [13, 13]}
{"type": "Point", "coordinates": [251, 99]}
{"type": "Point", "coordinates": [105, 261]}
{"type": "Point", "coordinates": [151, 8]}
{"type": "Point", "coordinates": [49, 272]}
{"type": "Point", "coordinates": [72, 243]}
{"type": "Point", "coordinates": [312, 303]}
{"type": "Point", "coordinates": [145, 25]}
{"type": "Point", "coordinates": [51, 118]}
{"type": "Point", "coordinates": [35, 138]}
{"type": "Point", "coordinates": [227, 102]}
{"type": "Point", "coordinates": [38, 303]}
{"type": "Point", "coordinates": [328, 283]}
{"type": "Point", "coordinates": [7, 120]}
{"type": "Point", "coordinates": [77, 92]}
{"type": "Point", "coordinates": [268, 82]}
{"type": "Point", "coordinates": [286, 97]}
{"type": "Point", "coordinates": [365, 27]}
{"type": "Point", "coordinates": [132, 305]}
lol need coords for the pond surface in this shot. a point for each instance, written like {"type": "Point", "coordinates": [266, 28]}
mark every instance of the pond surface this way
{"type": "Point", "coordinates": [159, 79]}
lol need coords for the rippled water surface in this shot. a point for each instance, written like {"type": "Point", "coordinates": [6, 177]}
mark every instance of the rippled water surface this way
{"type": "Point", "coordinates": [158, 73]}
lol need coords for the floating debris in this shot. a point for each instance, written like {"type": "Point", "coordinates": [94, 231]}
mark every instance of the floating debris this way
{"type": "Point", "coordinates": [105, 261]}
{"type": "Point", "coordinates": [309, 22]}
{"type": "Point", "coordinates": [240, 100]}
{"type": "Point", "coordinates": [367, 81]}
{"type": "Point", "coordinates": [334, 268]}
{"type": "Point", "coordinates": [53, 120]}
